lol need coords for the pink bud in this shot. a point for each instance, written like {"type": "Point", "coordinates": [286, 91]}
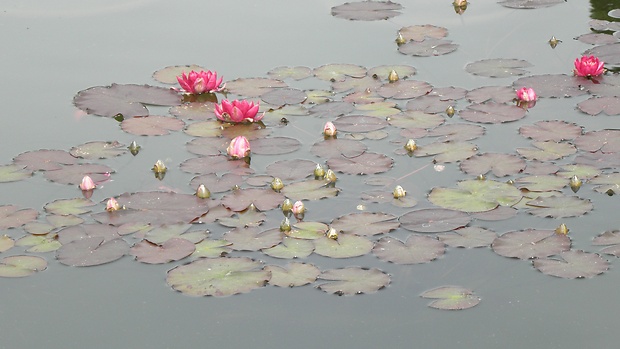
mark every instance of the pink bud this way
{"type": "Point", "coordinates": [526, 94]}
{"type": "Point", "coordinates": [298, 208]}
{"type": "Point", "coordinates": [112, 205]}
{"type": "Point", "coordinates": [329, 129]}
{"type": "Point", "coordinates": [87, 183]}
{"type": "Point", "coordinates": [239, 148]}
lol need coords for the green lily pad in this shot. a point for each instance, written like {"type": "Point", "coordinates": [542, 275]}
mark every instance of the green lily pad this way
{"type": "Point", "coordinates": [215, 164]}
{"type": "Point", "coordinates": [339, 72]}
{"type": "Point", "coordinates": [367, 10]}
{"type": "Point", "coordinates": [404, 89]}
{"type": "Point", "coordinates": [531, 243]}
{"type": "Point", "coordinates": [367, 163]}
{"type": "Point", "coordinates": [159, 235]}
{"type": "Point", "coordinates": [551, 130]}
{"type": "Point", "coordinates": [20, 266]}
{"type": "Point", "coordinates": [451, 298]}
{"type": "Point", "coordinates": [295, 73]}
{"type": "Point", "coordinates": [573, 264]}
{"type": "Point", "coordinates": [468, 237]}
{"type": "Point", "coordinates": [73, 174]}
{"type": "Point", "coordinates": [541, 183]}
{"type": "Point", "coordinates": [433, 220]}
{"type": "Point", "coordinates": [215, 183]}
{"type": "Point", "coordinates": [218, 277]}
{"type": "Point", "coordinates": [456, 132]}
{"type": "Point", "coordinates": [253, 238]}
{"type": "Point", "coordinates": [39, 243]}
{"type": "Point", "coordinates": [308, 230]}
{"type": "Point", "coordinates": [416, 249]}
{"type": "Point", "coordinates": [559, 206]}
{"type": "Point", "coordinates": [346, 246]}
{"type": "Point", "coordinates": [364, 90]}
{"type": "Point", "coordinates": [290, 248]}
{"type": "Point", "coordinates": [99, 150]}
{"type": "Point", "coordinates": [168, 75]}
{"type": "Point", "coordinates": [378, 109]}
{"type": "Point", "coordinates": [366, 223]}
{"type": "Point", "coordinates": [500, 164]}
{"type": "Point", "coordinates": [447, 151]}
{"type": "Point", "coordinates": [384, 196]}
{"type": "Point", "coordinates": [428, 48]}
{"type": "Point", "coordinates": [492, 113]}
{"type": "Point", "coordinates": [275, 145]}
{"type": "Point", "coordinates": [6, 243]}
{"type": "Point", "coordinates": [309, 190]}
{"type": "Point", "coordinates": [497, 94]}
{"type": "Point", "coordinates": [13, 173]}
{"type": "Point", "coordinates": [331, 147]}
{"type": "Point", "coordinates": [12, 217]}
{"type": "Point", "coordinates": [263, 199]}
{"type": "Point", "coordinates": [498, 67]}
{"type": "Point", "coordinates": [353, 280]}
{"type": "Point", "coordinates": [198, 111]}
{"type": "Point", "coordinates": [547, 151]}
{"type": "Point", "coordinates": [475, 196]}
{"type": "Point", "coordinates": [212, 248]}
{"type": "Point", "coordinates": [253, 87]}
{"type": "Point", "coordinates": [75, 206]}
{"type": "Point", "coordinates": [331, 109]}
{"type": "Point", "coordinates": [59, 221]}
{"type": "Point", "coordinates": [90, 251]}
{"type": "Point", "coordinates": [284, 96]}
{"type": "Point", "coordinates": [171, 250]}
{"type": "Point", "coordinates": [153, 125]}
{"type": "Point", "coordinates": [423, 32]}
{"type": "Point", "coordinates": [209, 128]}
{"type": "Point", "coordinates": [44, 160]}
{"type": "Point", "coordinates": [359, 123]}
{"type": "Point", "coordinates": [293, 275]}
{"type": "Point", "coordinates": [416, 119]}
{"type": "Point", "coordinates": [248, 218]}
{"type": "Point", "coordinates": [207, 146]}
{"type": "Point", "coordinates": [607, 141]}
{"type": "Point", "coordinates": [581, 171]}
{"type": "Point", "coordinates": [606, 182]}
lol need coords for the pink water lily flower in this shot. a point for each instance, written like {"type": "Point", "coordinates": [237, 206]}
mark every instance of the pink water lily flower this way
{"type": "Point", "coordinates": [200, 82]}
{"type": "Point", "coordinates": [238, 111]}
{"type": "Point", "coordinates": [239, 148]}
{"type": "Point", "coordinates": [329, 130]}
{"type": "Point", "coordinates": [87, 183]}
{"type": "Point", "coordinates": [588, 66]}
{"type": "Point", "coordinates": [526, 94]}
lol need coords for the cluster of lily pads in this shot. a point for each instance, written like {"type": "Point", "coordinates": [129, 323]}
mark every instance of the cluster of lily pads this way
{"type": "Point", "coordinates": [349, 126]}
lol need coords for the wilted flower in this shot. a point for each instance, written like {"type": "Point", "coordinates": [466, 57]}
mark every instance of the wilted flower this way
{"type": "Point", "coordinates": [239, 148]}
{"type": "Point", "coordinates": [200, 82]}
{"type": "Point", "coordinates": [159, 167]}
{"type": "Point", "coordinates": [112, 205]}
{"type": "Point", "coordinates": [238, 111]}
{"type": "Point", "coordinates": [87, 183]}
{"type": "Point", "coordinates": [589, 66]}
{"type": "Point", "coordinates": [329, 130]}
{"type": "Point", "coordinates": [526, 94]}
{"type": "Point", "coordinates": [202, 192]}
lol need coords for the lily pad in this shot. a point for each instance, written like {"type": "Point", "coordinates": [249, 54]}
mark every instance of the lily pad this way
{"type": "Point", "coordinates": [416, 119]}
{"type": "Point", "coordinates": [290, 248]}
{"type": "Point", "coordinates": [573, 264]}
{"type": "Point", "coordinates": [366, 223]}
{"type": "Point", "coordinates": [6, 243]}
{"type": "Point", "coordinates": [498, 68]}
{"type": "Point", "coordinates": [200, 111]}
{"type": "Point", "coordinates": [13, 173]}
{"type": "Point", "coordinates": [404, 89]}
{"type": "Point", "coordinates": [218, 277]}
{"type": "Point", "coordinates": [217, 184]}
{"type": "Point", "coordinates": [75, 206]}
{"type": "Point", "coordinates": [607, 141]}
{"type": "Point", "coordinates": [531, 243]}
{"type": "Point", "coordinates": [173, 249]}
{"type": "Point", "coordinates": [44, 160]}
{"type": "Point", "coordinates": [551, 130]}
{"type": "Point", "coordinates": [433, 220]}
{"type": "Point", "coordinates": [428, 47]}
{"type": "Point", "coordinates": [215, 164]}
{"type": "Point", "coordinates": [611, 239]}
{"type": "Point", "coordinates": [12, 217]}
{"type": "Point", "coordinates": [293, 274]}
{"type": "Point", "coordinates": [263, 199]}
{"type": "Point", "coordinates": [291, 170]}
{"type": "Point", "coordinates": [447, 151]}
{"type": "Point", "coordinates": [423, 32]}
{"type": "Point", "coordinates": [168, 75]}
{"type": "Point", "coordinates": [475, 196]}
{"type": "Point", "coordinates": [331, 109]}
{"type": "Point", "coordinates": [308, 230]}
{"type": "Point", "coordinates": [284, 96]}
{"type": "Point", "coordinates": [253, 238]}
{"type": "Point", "coordinates": [367, 163]}
{"type": "Point", "coordinates": [346, 246]}
{"type": "Point", "coordinates": [152, 126]}
{"type": "Point", "coordinates": [90, 251]}
{"type": "Point", "coordinates": [417, 249]}
{"type": "Point", "coordinates": [547, 151]}
{"type": "Point", "coordinates": [209, 128]}
{"type": "Point", "coordinates": [492, 113]}
{"type": "Point", "coordinates": [275, 145]}
{"type": "Point", "coordinates": [383, 71]}
{"type": "Point", "coordinates": [212, 248]}
{"type": "Point", "coordinates": [253, 87]}
{"type": "Point", "coordinates": [73, 174]}
{"type": "Point", "coordinates": [560, 206]}
{"type": "Point", "coordinates": [468, 237]}
{"type": "Point", "coordinates": [295, 73]}
{"type": "Point", "coordinates": [331, 147]}
{"type": "Point", "coordinates": [457, 132]}
{"type": "Point", "coordinates": [541, 183]}
{"type": "Point", "coordinates": [39, 243]}
{"type": "Point", "coordinates": [451, 298]}
{"type": "Point", "coordinates": [339, 72]}
{"type": "Point", "coordinates": [309, 190]}
{"type": "Point", "coordinates": [20, 266]}
{"type": "Point", "coordinates": [359, 123]}
{"type": "Point", "coordinates": [127, 100]}
{"type": "Point", "coordinates": [606, 182]}
{"type": "Point", "coordinates": [500, 164]}
{"type": "Point", "coordinates": [558, 85]}
{"type": "Point", "coordinates": [529, 4]}
{"type": "Point", "coordinates": [597, 105]}
{"type": "Point", "coordinates": [98, 150]}
{"type": "Point", "coordinates": [367, 10]}
{"type": "Point", "coordinates": [353, 280]}
{"type": "Point", "coordinates": [159, 235]}
{"type": "Point", "coordinates": [497, 94]}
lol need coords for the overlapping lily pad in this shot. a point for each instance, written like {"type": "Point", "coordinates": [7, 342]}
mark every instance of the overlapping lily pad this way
{"type": "Point", "coordinates": [13, 173]}
{"type": "Point", "coordinates": [253, 238]}
{"type": "Point", "coordinates": [416, 249]}
{"type": "Point", "coordinates": [263, 199]}
{"type": "Point", "coordinates": [172, 250]}
{"type": "Point", "coordinates": [531, 243]}
{"type": "Point", "coordinates": [310, 189]}
{"type": "Point", "coordinates": [98, 150]}
{"type": "Point", "coordinates": [346, 246]}
{"type": "Point", "coordinates": [499, 164]}
{"type": "Point", "coordinates": [290, 248]}
{"type": "Point", "coordinates": [12, 217]}
{"type": "Point", "coordinates": [44, 160]}
{"type": "Point", "coordinates": [492, 113]}
{"type": "Point", "coordinates": [476, 196]}
{"type": "Point", "coordinates": [90, 251]}
{"type": "Point", "coordinates": [366, 223]}
{"type": "Point", "coordinates": [153, 125]}
{"type": "Point", "coordinates": [573, 264]}
{"type": "Point", "coordinates": [551, 130]}
{"type": "Point", "coordinates": [468, 237]}
{"type": "Point", "coordinates": [293, 274]}
{"type": "Point", "coordinates": [428, 47]}
{"type": "Point", "coordinates": [560, 206]}
{"type": "Point", "coordinates": [433, 220]}
{"type": "Point", "coordinates": [351, 281]}
{"type": "Point", "coordinates": [367, 163]}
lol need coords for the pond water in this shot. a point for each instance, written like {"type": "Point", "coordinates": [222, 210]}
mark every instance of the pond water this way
{"type": "Point", "coordinates": [51, 53]}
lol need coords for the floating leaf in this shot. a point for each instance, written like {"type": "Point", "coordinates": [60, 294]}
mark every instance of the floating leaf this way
{"type": "Point", "coordinates": [404, 89]}
{"type": "Point", "coordinates": [218, 277]}
{"type": "Point", "coordinates": [293, 275]}
{"type": "Point", "coordinates": [284, 96]}
{"type": "Point", "coordinates": [20, 266]}
{"type": "Point", "coordinates": [127, 100]}
{"type": "Point", "coordinates": [423, 32]}
{"type": "Point", "coordinates": [173, 249]}
{"type": "Point", "coordinates": [456, 132]}
{"type": "Point", "coordinates": [12, 217]}
{"type": "Point", "coordinates": [606, 53]}
{"type": "Point", "coordinates": [168, 75]}
{"type": "Point", "coordinates": [529, 4]}
{"type": "Point", "coordinates": [573, 264]}
{"type": "Point", "coordinates": [194, 111]}
{"type": "Point", "coordinates": [500, 164]}
{"type": "Point", "coordinates": [295, 73]}
{"type": "Point", "coordinates": [39, 243]}
{"type": "Point", "coordinates": [44, 160]}
{"type": "Point", "coordinates": [557, 86]}
{"type": "Point", "coordinates": [333, 147]}
{"type": "Point", "coordinates": [346, 246]}
{"type": "Point", "coordinates": [416, 119]}
{"type": "Point", "coordinates": [13, 173]}
{"type": "Point", "coordinates": [159, 235]}
{"type": "Point", "coordinates": [468, 237]}
{"type": "Point", "coordinates": [547, 151]}
{"type": "Point", "coordinates": [433, 220]}
{"type": "Point", "coordinates": [339, 72]}
{"type": "Point", "coordinates": [551, 130]}
{"type": "Point", "coordinates": [263, 199]}
{"type": "Point", "coordinates": [597, 105]}
{"type": "Point", "coordinates": [367, 163]}
{"type": "Point", "coordinates": [497, 214]}
{"type": "Point", "coordinates": [541, 183]}
{"type": "Point", "coordinates": [331, 109]}
{"type": "Point", "coordinates": [475, 196]}
{"type": "Point", "coordinates": [447, 151]}
{"type": "Point", "coordinates": [209, 128]}
{"type": "Point", "coordinates": [253, 87]}
{"type": "Point", "coordinates": [215, 164]}
{"type": "Point", "coordinates": [290, 248]}
{"type": "Point", "coordinates": [6, 243]}
{"type": "Point", "coordinates": [366, 223]}
{"type": "Point", "coordinates": [75, 206]}
{"type": "Point", "coordinates": [275, 145]}
{"type": "Point", "coordinates": [383, 71]}
{"type": "Point", "coordinates": [91, 251]}
{"type": "Point", "coordinates": [247, 218]}
{"type": "Point", "coordinates": [428, 47]}
{"type": "Point", "coordinates": [308, 230]}
{"type": "Point", "coordinates": [492, 113]}
{"type": "Point", "coordinates": [559, 206]}
{"type": "Point", "coordinates": [359, 123]}
{"type": "Point", "coordinates": [152, 125]}
{"type": "Point", "coordinates": [73, 174]}
{"type": "Point", "coordinates": [98, 150]}
{"type": "Point", "coordinates": [212, 248]}
{"type": "Point", "coordinates": [531, 243]}
{"type": "Point", "coordinates": [451, 298]}
{"type": "Point", "coordinates": [417, 249]}
{"type": "Point", "coordinates": [498, 67]}
{"type": "Point", "coordinates": [606, 182]}
{"type": "Point", "coordinates": [309, 190]}
{"type": "Point", "coordinates": [367, 10]}
{"type": "Point", "coordinates": [217, 184]}
{"type": "Point", "coordinates": [497, 94]}
{"type": "Point", "coordinates": [352, 280]}
{"type": "Point", "coordinates": [291, 170]}
{"type": "Point", "coordinates": [607, 141]}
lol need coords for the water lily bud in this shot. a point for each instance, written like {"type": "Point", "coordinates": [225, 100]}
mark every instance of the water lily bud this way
{"type": "Point", "coordinates": [399, 192]}
{"type": "Point", "coordinates": [562, 229]}
{"type": "Point", "coordinates": [400, 39]}
{"type": "Point", "coordinates": [287, 207]}
{"type": "Point", "coordinates": [332, 234]}
{"type": "Point", "coordinates": [159, 167]}
{"type": "Point", "coordinates": [393, 77]}
{"type": "Point", "coordinates": [553, 42]}
{"type": "Point", "coordinates": [202, 192]}
{"type": "Point", "coordinates": [460, 6]}
{"type": "Point", "coordinates": [510, 181]}
{"type": "Point", "coordinates": [450, 111]}
{"type": "Point", "coordinates": [276, 184]}
{"type": "Point", "coordinates": [239, 148]}
{"type": "Point", "coordinates": [610, 192]}
{"type": "Point", "coordinates": [285, 225]}
{"type": "Point", "coordinates": [319, 171]}
{"type": "Point", "coordinates": [526, 94]}
{"type": "Point", "coordinates": [330, 176]}
{"type": "Point", "coordinates": [411, 146]}
{"type": "Point", "coordinates": [134, 148]}
{"type": "Point", "coordinates": [298, 208]}
{"type": "Point", "coordinates": [481, 177]}
{"type": "Point", "coordinates": [112, 205]}
{"type": "Point", "coordinates": [329, 130]}
{"type": "Point", "coordinates": [575, 183]}
{"type": "Point", "coordinates": [87, 184]}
